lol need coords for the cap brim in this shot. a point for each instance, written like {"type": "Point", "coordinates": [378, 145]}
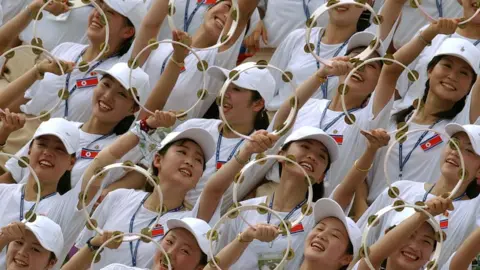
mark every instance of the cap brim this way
{"type": "Point", "coordinates": [469, 62]}
{"type": "Point", "coordinates": [40, 239]}
{"type": "Point", "coordinates": [178, 223]}
{"type": "Point", "coordinates": [363, 39]}
{"type": "Point", "coordinates": [222, 74]}
{"type": "Point", "coordinates": [201, 137]}
{"type": "Point", "coordinates": [453, 128]}
{"type": "Point", "coordinates": [69, 148]}
{"type": "Point", "coordinates": [105, 72]}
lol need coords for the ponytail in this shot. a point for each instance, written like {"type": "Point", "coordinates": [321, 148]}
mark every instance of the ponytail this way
{"type": "Point", "coordinates": [124, 125]}
{"type": "Point", "coordinates": [261, 118]}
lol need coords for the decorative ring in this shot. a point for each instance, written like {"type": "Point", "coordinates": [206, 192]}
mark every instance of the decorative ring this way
{"type": "Point", "coordinates": [222, 39]}
{"type": "Point", "coordinates": [92, 224]}
{"type": "Point", "coordinates": [124, 236]}
{"type": "Point", "coordinates": [213, 234]}
{"type": "Point", "coordinates": [23, 162]}
{"type": "Point", "coordinates": [289, 160]}
{"type": "Point", "coordinates": [287, 77]}
{"type": "Point", "coordinates": [343, 89]}
{"type": "Point", "coordinates": [62, 93]}
{"type": "Point", "coordinates": [104, 47]}
{"type": "Point", "coordinates": [394, 192]}
{"type": "Point", "coordinates": [372, 222]}
{"type": "Point", "coordinates": [417, 4]}
{"type": "Point", "coordinates": [202, 66]}
{"type": "Point", "coordinates": [312, 22]}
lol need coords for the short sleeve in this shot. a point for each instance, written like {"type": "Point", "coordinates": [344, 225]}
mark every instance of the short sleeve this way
{"type": "Point", "coordinates": [17, 172]}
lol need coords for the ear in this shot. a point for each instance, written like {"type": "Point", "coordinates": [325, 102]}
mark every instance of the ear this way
{"type": "Point", "coordinates": [157, 161]}
{"type": "Point", "coordinates": [73, 159]}
{"type": "Point", "coordinates": [128, 32]}
{"type": "Point", "coordinates": [320, 179]}
{"type": "Point", "coordinates": [135, 108]}
{"type": "Point", "coordinates": [258, 105]}
{"type": "Point", "coordinates": [51, 264]}
{"type": "Point", "coordinates": [346, 259]}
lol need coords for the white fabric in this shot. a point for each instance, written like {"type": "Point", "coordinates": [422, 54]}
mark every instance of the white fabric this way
{"type": "Point", "coordinates": [412, 19]}
{"type": "Point", "coordinates": [410, 91]}
{"type": "Point", "coordinates": [43, 94]}
{"type": "Point", "coordinates": [447, 264]}
{"type": "Point", "coordinates": [249, 259]}
{"type": "Point", "coordinates": [353, 143]}
{"type": "Point", "coordinates": [60, 208]}
{"type": "Point", "coordinates": [115, 213]}
{"type": "Point", "coordinates": [68, 27]}
{"type": "Point", "coordinates": [462, 221]}
{"type": "Point", "coordinates": [117, 266]}
{"type": "Point", "coordinates": [21, 174]}
{"type": "Point", "coordinates": [423, 166]}
{"type": "Point", "coordinates": [11, 8]}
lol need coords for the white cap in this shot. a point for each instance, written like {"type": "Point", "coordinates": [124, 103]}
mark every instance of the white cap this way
{"type": "Point", "coordinates": [48, 233]}
{"type": "Point", "coordinates": [399, 217]}
{"type": "Point", "coordinates": [198, 227]}
{"type": "Point", "coordinates": [325, 208]}
{"type": "Point", "coordinates": [63, 129]}
{"type": "Point", "coordinates": [255, 79]}
{"type": "Point", "coordinates": [198, 135]}
{"type": "Point", "coordinates": [463, 49]}
{"type": "Point", "coordinates": [121, 73]}
{"type": "Point", "coordinates": [473, 132]}
{"type": "Point", "coordinates": [134, 10]}
{"type": "Point", "coordinates": [308, 132]}
{"type": "Point", "coordinates": [363, 39]}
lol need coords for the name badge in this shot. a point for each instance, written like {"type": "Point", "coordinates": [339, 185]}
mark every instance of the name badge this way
{"type": "Point", "coordinates": [89, 154]}
{"type": "Point", "coordinates": [431, 143]}
{"type": "Point", "coordinates": [158, 230]}
{"type": "Point", "coordinates": [87, 82]}
{"type": "Point", "coordinates": [269, 261]}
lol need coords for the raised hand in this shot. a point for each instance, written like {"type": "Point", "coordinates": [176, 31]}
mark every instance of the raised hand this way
{"type": "Point", "coordinates": [101, 239]}
{"type": "Point", "coordinates": [261, 232]}
{"type": "Point", "coordinates": [161, 119]}
{"type": "Point", "coordinates": [252, 42]}
{"type": "Point", "coordinates": [339, 66]}
{"type": "Point", "coordinates": [11, 121]}
{"type": "Point", "coordinates": [439, 205]}
{"type": "Point", "coordinates": [54, 7]}
{"type": "Point", "coordinates": [376, 138]}
{"type": "Point", "coordinates": [444, 26]}
{"type": "Point", "coordinates": [261, 142]}
{"type": "Point", "coordinates": [48, 65]}
{"type": "Point", "coordinates": [12, 232]}
{"type": "Point", "coordinates": [179, 52]}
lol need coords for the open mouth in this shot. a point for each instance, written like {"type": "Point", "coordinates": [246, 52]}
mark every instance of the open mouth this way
{"type": "Point", "coordinates": [219, 22]}
{"type": "Point", "coordinates": [96, 24]}
{"type": "Point", "coordinates": [357, 77]}
{"type": "Point", "coordinates": [317, 246]}
{"type": "Point", "coordinates": [185, 172]}
{"type": "Point", "coordinates": [20, 263]}
{"type": "Point", "coordinates": [410, 256]}
{"type": "Point", "coordinates": [341, 8]}
{"type": "Point", "coordinates": [226, 107]}
{"type": "Point", "coordinates": [45, 164]}
{"type": "Point", "coordinates": [452, 162]}
{"type": "Point", "coordinates": [448, 86]}
{"type": "Point", "coordinates": [307, 166]}
{"type": "Point", "coordinates": [104, 107]}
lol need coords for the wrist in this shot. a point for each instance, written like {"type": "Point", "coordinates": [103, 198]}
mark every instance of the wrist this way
{"type": "Point", "coordinates": [34, 7]}
{"type": "Point", "coordinates": [242, 157]}
{"type": "Point", "coordinates": [428, 34]}
{"type": "Point", "coordinates": [94, 243]}
{"type": "Point", "coordinates": [321, 75]}
{"type": "Point", "coordinates": [243, 238]}
{"type": "Point", "coordinates": [145, 126]}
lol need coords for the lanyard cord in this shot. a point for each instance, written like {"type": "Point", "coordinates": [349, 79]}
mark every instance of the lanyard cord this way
{"type": "Point", "coordinates": [22, 201]}
{"type": "Point", "coordinates": [187, 20]}
{"type": "Point", "coordinates": [430, 190]}
{"type": "Point", "coordinates": [331, 123]}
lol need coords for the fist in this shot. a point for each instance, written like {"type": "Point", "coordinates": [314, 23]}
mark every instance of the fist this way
{"type": "Point", "coordinates": [11, 121]}
{"type": "Point", "coordinates": [161, 119]}
{"type": "Point", "coordinates": [438, 205]}
{"type": "Point", "coordinates": [13, 231]}
{"type": "Point", "coordinates": [261, 141]}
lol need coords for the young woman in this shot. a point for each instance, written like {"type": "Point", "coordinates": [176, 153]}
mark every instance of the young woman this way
{"type": "Point", "coordinates": [329, 42]}
{"type": "Point", "coordinates": [410, 242]}
{"type": "Point", "coordinates": [185, 242]}
{"type": "Point", "coordinates": [459, 223]}
{"type": "Point", "coordinates": [33, 245]}
{"type": "Point", "coordinates": [448, 97]}
{"type": "Point", "coordinates": [179, 161]}
{"type": "Point", "coordinates": [468, 252]}
{"type": "Point", "coordinates": [113, 109]}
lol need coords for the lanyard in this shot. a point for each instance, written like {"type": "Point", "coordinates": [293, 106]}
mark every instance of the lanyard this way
{"type": "Point", "coordinates": [165, 62]}
{"type": "Point", "coordinates": [305, 8]}
{"type": "Point", "coordinates": [94, 141]}
{"type": "Point", "coordinates": [188, 19]}
{"type": "Point", "coordinates": [402, 162]}
{"type": "Point", "coordinates": [133, 252]}
{"type": "Point", "coordinates": [439, 7]}
{"type": "Point", "coordinates": [22, 200]}
{"type": "Point", "coordinates": [269, 216]}
{"type": "Point", "coordinates": [329, 125]}
{"type": "Point", "coordinates": [219, 145]}
{"type": "Point", "coordinates": [430, 190]}
{"type": "Point", "coordinates": [322, 32]}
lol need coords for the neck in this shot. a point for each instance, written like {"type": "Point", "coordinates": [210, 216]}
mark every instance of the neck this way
{"type": "Point", "coordinates": [312, 265]}
{"type": "Point", "coordinates": [171, 199]}
{"type": "Point", "coordinates": [288, 193]}
{"type": "Point", "coordinates": [201, 38]}
{"type": "Point", "coordinates": [335, 34]}
{"type": "Point", "coordinates": [471, 31]}
{"type": "Point", "coordinates": [30, 189]}
{"type": "Point", "coordinates": [240, 128]}
{"type": "Point", "coordinates": [93, 50]}
{"type": "Point", "coordinates": [95, 126]}
{"type": "Point", "coordinates": [351, 102]}
{"type": "Point", "coordinates": [443, 186]}
{"type": "Point", "coordinates": [432, 106]}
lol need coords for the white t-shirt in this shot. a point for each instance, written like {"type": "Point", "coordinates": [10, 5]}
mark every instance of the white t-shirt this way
{"type": "Point", "coordinates": [55, 30]}
{"type": "Point", "coordinates": [115, 214]}
{"type": "Point", "coordinates": [11, 8]}
{"type": "Point", "coordinates": [461, 223]}
{"type": "Point", "coordinates": [90, 145]}
{"type": "Point", "coordinates": [424, 162]}
{"type": "Point", "coordinates": [60, 208]}
{"type": "Point", "coordinates": [251, 255]}
{"type": "Point", "coordinates": [351, 143]}
{"type": "Point", "coordinates": [412, 19]}
{"type": "Point", "coordinates": [117, 266]}
{"type": "Point", "coordinates": [447, 264]}
{"type": "Point", "coordinates": [43, 94]}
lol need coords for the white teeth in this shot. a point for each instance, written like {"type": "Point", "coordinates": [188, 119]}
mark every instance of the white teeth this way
{"type": "Point", "coordinates": [306, 166]}
{"type": "Point", "coordinates": [449, 86]}
{"type": "Point", "coordinates": [410, 255]}
{"type": "Point", "coordinates": [46, 163]}
{"type": "Point", "coordinates": [104, 106]}
{"type": "Point", "coordinates": [23, 264]}
{"type": "Point", "coordinates": [185, 172]}
{"type": "Point", "coordinates": [357, 77]}
{"type": "Point", "coordinates": [452, 162]}
{"type": "Point", "coordinates": [222, 24]}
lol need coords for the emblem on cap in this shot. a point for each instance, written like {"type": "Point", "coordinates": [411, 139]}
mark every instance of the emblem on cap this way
{"type": "Point", "coordinates": [462, 49]}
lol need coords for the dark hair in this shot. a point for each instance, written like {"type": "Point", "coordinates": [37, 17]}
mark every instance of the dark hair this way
{"type": "Point", "coordinates": [261, 118]}
{"type": "Point", "coordinates": [449, 114]}
{"type": "Point", "coordinates": [124, 125]}
{"type": "Point", "coordinates": [52, 256]}
{"type": "Point", "coordinates": [148, 187]}
{"type": "Point", "coordinates": [125, 47]}
{"type": "Point", "coordinates": [473, 189]}
{"type": "Point", "coordinates": [318, 188]}
{"type": "Point", "coordinates": [364, 20]}
{"type": "Point", "coordinates": [349, 251]}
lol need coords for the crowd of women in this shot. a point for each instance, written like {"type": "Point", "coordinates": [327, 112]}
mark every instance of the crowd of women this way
{"type": "Point", "coordinates": [366, 134]}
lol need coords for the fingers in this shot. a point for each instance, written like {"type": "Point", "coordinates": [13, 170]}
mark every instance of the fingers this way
{"type": "Point", "coordinates": [265, 232]}
{"type": "Point", "coordinates": [439, 205]}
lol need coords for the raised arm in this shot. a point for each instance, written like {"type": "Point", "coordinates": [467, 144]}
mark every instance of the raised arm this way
{"type": "Point", "coordinates": [475, 102]}
{"type": "Point", "coordinates": [11, 122]}
{"type": "Point", "coordinates": [376, 139]}
{"type": "Point", "coordinates": [390, 12]}
{"type": "Point", "coordinates": [407, 54]}
{"type": "Point", "coordinates": [467, 252]}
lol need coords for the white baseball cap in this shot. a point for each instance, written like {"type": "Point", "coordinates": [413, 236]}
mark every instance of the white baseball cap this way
{"type": "Point", "coordinates": [462, 49]}
{"type": "Point", "coordinates": [254, 79]}
{"type": "Point", "coordinates": [48, 233]}
{"type": "Point", "coordinates": [325, 208]}
{"type": "Point", "coordinates": [473, 132]}
{"type": "Point", "coordinates": [63, 129]}
{"type": "Point", "coordinates": [308, 132]}
{"type": "Point", "coordinates": [198, 227]}
{"type": "Point", "coordinates": [198, 135]}
{"type": "Point", "coordinates": [134, 10]}
{"type": "Point", "coordinates": [363, 39]}
{"type": "Point", "coordinates": [121, 73]}
{"type": "Point", "coordinates": [399, 217]}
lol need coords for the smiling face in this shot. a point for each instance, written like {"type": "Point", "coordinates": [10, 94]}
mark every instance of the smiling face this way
{"type": "Point", "coordinates": [28, 254]}
{"type": "Point", "coordinates": [328, 243]}
{"type": "Point", "coordinates": [345, 15]}
{"type": "Point", "coordinates": [451, 78]}
{"type": "Point", "coordinates": [183, 250]}
{"type": "Point", "coordinates": [239, 107]}
{"type": "Point", "coordinates": [182, 164]}
{"type": "Point", "coordinates": [216, 18]}
{"type": "Point", "coordinates": [111, 102]}
{"type": "Point", "coordinates": [416, 253]}
{"type": "Point", "coordinates": [49, 159]}
{"type": "Point", "coordinates": [469, 8]}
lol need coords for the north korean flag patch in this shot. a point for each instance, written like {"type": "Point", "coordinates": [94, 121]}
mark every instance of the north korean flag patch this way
{"type": "Point", "coordinates": [87, 82]}
{"type": "Point", "coordinates": [338, 139]}
{"type": "Point", "coordinates": [158, 230]}
{"type": "Point", "coordinates": [297, 228]}
{"type": "Point", "coordinates": [89, 154]}
{"type": "Point", "coordinates": [431, 143]}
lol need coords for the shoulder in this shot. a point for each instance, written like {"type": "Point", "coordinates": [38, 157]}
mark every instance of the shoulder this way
{"type": "Point", "coordinates": [125, 195]}
{"type": "Point", "coordinates": [255, 201]}
{"type": "Point", "coordinates": [117, 266]}
{"type": "Point", "coordinates": [68, 50]}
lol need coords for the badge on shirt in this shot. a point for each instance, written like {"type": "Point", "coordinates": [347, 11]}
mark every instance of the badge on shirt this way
{"type": "Point", "coordinates": [87, 82]}
{"type": "Point", "coordinates": [219, 164]}
{"type": "Point", "coordinates": [337, 138]}
{"type": "Point", "coordinates": [269, 261]}
{"type": "Point", "coordinates": [431, 143]}
{"type": "Point", "coordinates": [158, 230]}
{"type": "Point", "coordinates": [444, 221]}
{"type": "Point", "coordinates": [88, 153]}
{"type": "Point", "coordinates": [207, 2]}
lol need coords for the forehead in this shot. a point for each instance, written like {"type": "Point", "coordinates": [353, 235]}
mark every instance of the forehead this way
{"type": "Point", "coordinates": [183, 236]}
{"type": "Point", "coordinates": [456, 61]}
{"type": "Point", "coordinates": [189, 144]}
{"type": "Point", "coordinates": [462, 136]}
{"type": "Point", "coordinates": [50, 138]}
{"type": "Point", "coordinates": [314, 143]}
